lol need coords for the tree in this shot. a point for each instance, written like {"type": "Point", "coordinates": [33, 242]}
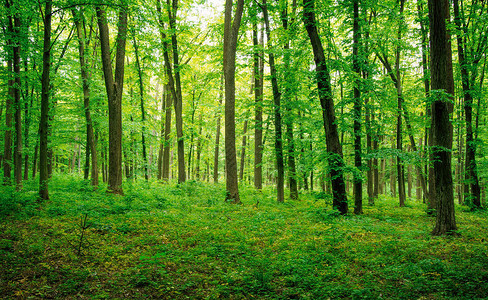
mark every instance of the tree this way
{"type": "Point", "coordinates": [334, 148]}
{"type": "Point", "coordinates": [441, 125]}
{"type": "Point", "coordinates": [91, 142]}
{"type": "Point", "coordinates": [258, 70]}
{"type": "Point", "coordinates": [468, 63]}
{"type": "Point", "coordinates": [143, 111]}
{"type": "Point", "coordinates": [280, 166]}
{"type": "Point", "coordinates": [174, 80]}
{"type": "Point", "coordinates": [43, 124]}
{"type": "Point", "coordinates": [114, 87]}
{"type": "Point", "coordinates": [356, 67]}
{"type": "Point", "coordinates": [231, 31]}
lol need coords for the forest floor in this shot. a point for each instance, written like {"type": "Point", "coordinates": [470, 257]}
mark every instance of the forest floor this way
{"type": "Point", "coordinates": [184, 242]}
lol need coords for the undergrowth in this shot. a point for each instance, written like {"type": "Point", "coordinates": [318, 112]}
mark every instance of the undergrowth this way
{"type": "Point", "coordinates": [169, 241]}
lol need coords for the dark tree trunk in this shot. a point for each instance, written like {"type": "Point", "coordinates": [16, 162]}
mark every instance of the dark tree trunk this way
{"type": "Point", "coordinates": [243, 152]}
{"type": "Point", "coordinates": [17, 105]}
{"type": "Point", "coordinates": [217, 136]}
{"type": "Point", "coordinates": [143, 111]}
{"type": "Point", "coordinates": [177, 100]}
{"type": "Point", "coordinates": [467, 84]}
{"type": "Point", "coordinates": [334, 148]}
{"type": "Point", "coordinates": [258, 114]}
{"type": "Point", "coordinates": [358, 181]}
{"type": "Point", "coordinates": [280, 166]}
{"type": "Point", "coordinates": [114, 87]}
{"type": "Point", "coordinates": [231, 31]}
{"type": "Point", "coordinates": [441, 125]}
{"type": "Point", "coordinates": [199, 148]}
{"type": "Point", "coordinates": [91, 150]}
{"type": "Point", "coordinates": [161, 143]}
{"type": "Point", "coordinates": [174, 82]}
{"type": "Point", "coordinates": [287, 96]}
{"type": "Point", "coordinates": [34, 160]}
{"type": "Point", "coordinates": [44, 119]}
{"type": "Point", "coordinates": [7, 152]}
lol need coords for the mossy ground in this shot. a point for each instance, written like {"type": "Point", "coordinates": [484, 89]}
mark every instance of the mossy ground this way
{"type": "Point", "coordinates": [184, 242]}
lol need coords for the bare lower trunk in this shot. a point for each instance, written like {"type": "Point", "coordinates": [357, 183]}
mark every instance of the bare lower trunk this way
{"type": "Point", "coordinates": [334, 148]}
{"type": "Point", "coordinates": [114, 87]}
{"type": "Point", "coordinates": [231, 31]}
{"type": "Point", "coordinates": [441, 76]}
{"type": "Point", "coordinates": [43, 125]}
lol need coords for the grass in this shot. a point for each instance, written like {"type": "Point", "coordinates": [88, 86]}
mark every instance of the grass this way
{"type": "Point", "coordinates": [184, 242]}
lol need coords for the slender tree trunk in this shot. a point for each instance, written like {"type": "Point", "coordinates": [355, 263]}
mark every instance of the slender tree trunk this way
{"type": "Point", "coordinates": [441, 124]}
{"type": "Point", "coordinates": [231, 31]}
{"type": "Point", "coordinates": [358, 181]}
{"type": "Point", "coordinates": [34, 160]}
{"type": "Point", "coordinates": [44, 122]}
{"type": "Point", "coordinates": [199, 147]}
{"type": "Point", "coordinates": [467, 84]}
{"type": "Point", "coordinates": [7, 152]}
{"type": "Point", "coordinates": [91, 149]}
{"type": "Point", "coordinates": [287, 98]}
{"type": "Point", "coordinates": [258, 113]}
{"type": "Point", "coordinates": [217, 137]}
{"type": "Point", "coordinates": [280, 166]}
{"type": "Point", "coordinates": [243, 152]}
{"type": "Point", "coordinates": [334, 148]}
{"type": "Point", "coordinates": [114, 87]}
{"type": "Point", "coordinates": [14, 85]}
{"type": "Point", "coordinates": [177, 100]}
{"type": "Point", "coordinates": [143, 111]}
{"type": "Point", "coordinates": [161, 143]}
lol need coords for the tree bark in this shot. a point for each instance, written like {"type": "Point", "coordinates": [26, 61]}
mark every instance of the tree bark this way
{"type": "Point", "coordinates": [243, 152]}
{"type": "Point", "coordinates": [143, 111]}
{"type": "Point", "coordinates": [114, 87]}
{"type": "Point", "coordinates": [356, 67]}
{"type": "Point", "coordinates": [441, 124]}
{"type": "Point", "coordinates": [258, 113]}
{"type": "Point", "coordinates": [17, 104]}
{"type": "Point", "coordinates": [280, 166]}
{"type": "Point", "coordinates": [231, 31]}
{"type": "Point", "coordinates": [85, 77]}
{"type": "Point", "coordinates": [217, 136]}
{"type": "Point", "coordinates": [44, 118]}
{"type": "Point", "coordinates": [467, 84]}
{"type": "Point", "coordinates": [177, 100]}
{"type": "Point", "coordinates": [334, 148]}
{"type": "Point", "coordinates": [287, 96]}
{"type": "Point", "coordinates": [7, 152]}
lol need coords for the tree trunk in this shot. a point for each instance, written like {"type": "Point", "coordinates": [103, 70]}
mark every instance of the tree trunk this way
{"type": "Point", "coordinates": [287, 95]}
{"type": "Point", "coordinates": [85, 77]}
{"type": "Point", "coordinates": [114, 89]}
{"type": "Point", "coordinates": [258, 113]}
{"type": "Point", "coordinates": [17, 106]}
{"type": "Point", "coordinates": [177, 100]}
{"type": "Point", "coordinates": [467, 84]}
{"type": "Point", "coordinates": [243, 152]}
{"type": "Point", "coordinates": [199, 147]}
{"type": "Point", "coordinates": [441, 124]}
{"type": "Point", "coordinates": [217, 136]}
{"type": "Point", "coordinates": [231, 31]}
{"type": "Point", "coordinates": [34, 160]}
{"type": "Point", "coordinates": [7, 152]}
{"type": "Point", "coordinates": [143, 111]}
{"type": "Point", "coordinates": [358, 181]}
{"type": "Point", "coordinates": [161, 143]}
{"type": "Point", "coordinates": [44, 118]}
{"type": "Point", "coordinates": [280, 166]}
{"type": "Point", "coordinates": [334, 148]}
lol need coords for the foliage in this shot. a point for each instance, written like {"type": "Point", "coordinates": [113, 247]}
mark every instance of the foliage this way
{"type": "Point", "coordinates": [182, 241]}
